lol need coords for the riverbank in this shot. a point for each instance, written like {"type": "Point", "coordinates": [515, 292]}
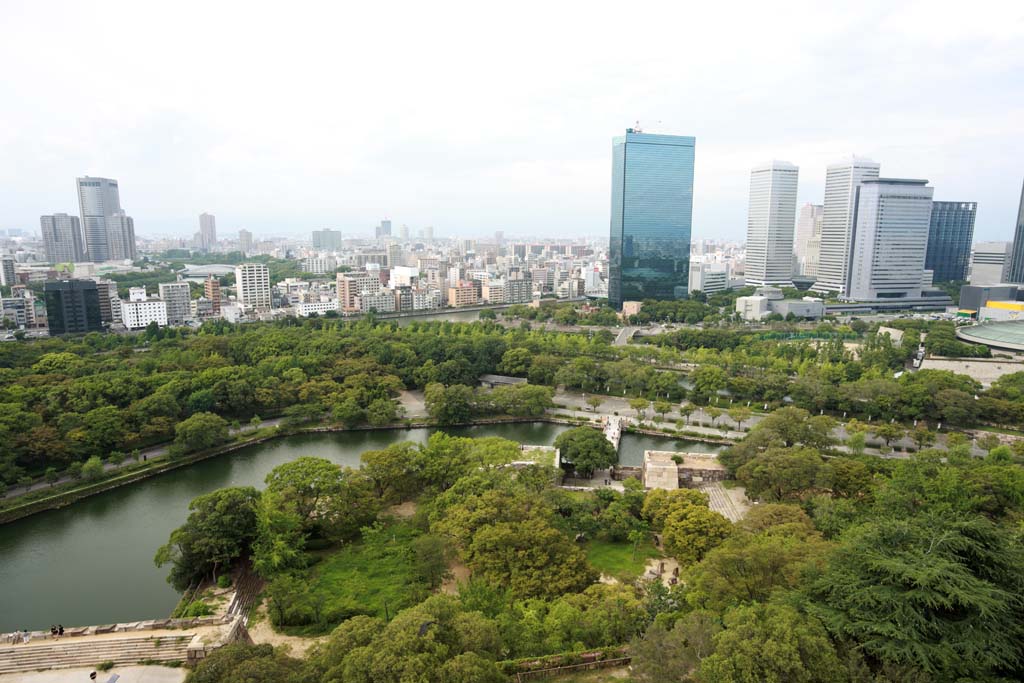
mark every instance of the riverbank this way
{"type": "Point", "coordinates": [11, 509]}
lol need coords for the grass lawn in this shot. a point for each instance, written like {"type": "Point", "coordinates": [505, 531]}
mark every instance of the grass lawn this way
{"type": "Point", "coordinates": [361, 577]}
{"type": "Point", "coordinates": [616, 559]}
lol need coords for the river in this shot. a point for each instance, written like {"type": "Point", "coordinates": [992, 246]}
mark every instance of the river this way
{"type": "Point", "coordinates": [92, 562]}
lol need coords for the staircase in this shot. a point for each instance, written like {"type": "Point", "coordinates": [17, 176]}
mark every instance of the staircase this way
{"type": "Point", "coordinates": [88, 652]}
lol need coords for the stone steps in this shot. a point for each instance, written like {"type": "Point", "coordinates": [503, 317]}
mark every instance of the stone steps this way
{"type": "Point", "coordinates": [67, 653]}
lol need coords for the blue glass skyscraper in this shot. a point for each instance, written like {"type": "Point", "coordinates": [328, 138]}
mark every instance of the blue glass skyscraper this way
{"type": "Point", "coordinates": [949, 240]}
{"type": "Point", "coordinates": [652, 210]}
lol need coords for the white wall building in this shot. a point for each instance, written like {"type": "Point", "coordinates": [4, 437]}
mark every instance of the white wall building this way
{"type": "Point", "coordinates": [770, 217]}
{"type": "Point", "coordinates": [841, 182]}
{"type": "Point", "coordinates": [892, 222]}
{"type": "Point", "coordinates": [319, 265]}
{"type": "Point", "coordinates": [709, 277]}
{"type": "Point", "coordinates": [989, 263]}
{"type": "Point", "coordinates": [138, 311]}
{"type": "Point", "coordinates": [808, 228]}
{"type": "Point", "coordinates": [306, 309]}
{"type": "Point", "coordinates": [252, 284]}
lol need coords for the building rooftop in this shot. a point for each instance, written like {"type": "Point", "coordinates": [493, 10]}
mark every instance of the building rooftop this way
{"type": "Point", "coordinates": [1001, 335]}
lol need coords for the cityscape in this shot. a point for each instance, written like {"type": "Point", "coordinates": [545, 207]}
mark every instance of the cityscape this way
{"type": "Point", "coordinates": [457, 343]}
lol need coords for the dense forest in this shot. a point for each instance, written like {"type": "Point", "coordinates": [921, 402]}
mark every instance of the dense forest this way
{"type": "Point", "coordinates": [66, 400]}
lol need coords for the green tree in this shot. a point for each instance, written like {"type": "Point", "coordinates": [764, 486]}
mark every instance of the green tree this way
{"type": "Point", "coordinates": [660, 503]}
{"type": "Point", "coordinates": [714, 413]}
{"type": "Point", "coordinates": [739, 415]}
{"type": "Point", "coordinates": [771, 643]}
{"type": "Point", "coordinates": [671, 656]}
{"type": "Point", "coordinates": [516, 362]}
{"type": "Point", "coordinates": [856, 442]}
{"type": "Point", "coordinates": [691, 531]}
{"type": "Point", "coordinates": [220, 529]}
{"type": "Point", "coordinates": [199, 432]}
{"type": "Point", "coordinates": [686, 410]}
{"type": "Point", "coordinates": [391, 470]}
{"type": "Point", "coordinates": [449, 405]}
{"type": "Point", "coordinates": [922, 436]}
{"type": "Point", "coordinates": [92, 469]}
{"type": "Point", "coordinates": [640, 405]}
{"type": "Point", "coordinates": [249, 663]}
{"type": "Point", "coordinates": [431, 556]}
{"type": "Point", "coordinates": [586, 449]}
{"type": "Point", "coordinates": [662, 408]}
{"type": "Point", "coordinates": [889, 432]}
{"type": "Point", "coordinates": [381, 411]}
{"type": "Point", "coordinates": [595, 401]}
{"type": "Point", "coordinates": [785, 474]}
{"type": "Point", "coordinates": [51, 475]}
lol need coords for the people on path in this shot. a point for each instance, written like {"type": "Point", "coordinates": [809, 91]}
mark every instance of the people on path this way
{"type": "Point", "coordinates": [25, 636]}
{"type": "Point", "coordinates": [53, 631]}
{"type": "Point", "coordinates": [60, 630]}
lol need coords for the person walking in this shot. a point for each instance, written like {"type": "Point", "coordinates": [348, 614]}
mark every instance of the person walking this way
{"type": "Point", "coordinates": [25, 636]}
{"type": "Point", "coordinates": [60, 630]}
{"type": "Point", "coordinates": [53, 632]}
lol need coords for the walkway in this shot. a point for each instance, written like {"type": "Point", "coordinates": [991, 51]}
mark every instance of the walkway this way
{"type": "Point", "coordinates": [121, 648]}
{"type": "Point", "coordinates": [730, 503]}
{"type": "Point", "coordinates": [128, 674]}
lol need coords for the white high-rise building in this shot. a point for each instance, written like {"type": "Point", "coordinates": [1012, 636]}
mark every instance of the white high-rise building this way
{"type": "Point", "coordinates": [139, 311]}
{"type": "Point", "coordinates": [120, 237]}
{"type": "Point", "coordinates": [8, 278]}
{"type": "Point", "coordinates": [890, 239]}
{"type": "Point", "coordinates": [770, 217]}
{"type": "Point", "coordinates": [97, 199]}
{"type": "Point", "coordinates": [62, 238]}
{"type": "Point", "coordinates": [207, 231]}
{"type": "Point", "coordinates": [841, 182]}
{"type": "Point", "coordinates": [252, 282]}
{"type": "Point", "coordinates": [989, 262]}
{"type": "Point", "coordinates": [708, 277]}
{"type": "Point", "coordinates": [808, 227]}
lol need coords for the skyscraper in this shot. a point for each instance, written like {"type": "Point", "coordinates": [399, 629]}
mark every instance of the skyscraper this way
{"type": "Point", "coordinates": [403, 233]}
{"type": "Point", "coordinates": [1015, 269]}
{"type": "Point", "coordinates": [808, 227]}
{"type": "Point", "coordinates": [841, 181]}
{"type": "Point", "coordinates": [207, 231]}
{"type": "Point", "coordinates": [652, 207]}
{"type": "Point", "coordinates": [770, 217]}
{"type": "Point", "coordinates": [252, 282]}
{"type": "Point", "coordinates": [120, 237]}
{"type": "Point", "coordinates": [7, 275]}
{"type": "Point", "coordinates": [62, 238]}
{"type": "Point", "coordinates": [97, 199]}
{"type": "Point", "coordinates": [72, 307]}
{"type": "Point", "coordinates": [949, 240]}
{"type": "Point", "coordinates": [989, 263]}
{"type": "Point", "coordinates": [890, 238]}
{"type": "Point", "coordinates": [327, 239]}
{"type": "Point", "coordinates": [245, 241]}
{"type": "Point", "coordinates": [382, 230]}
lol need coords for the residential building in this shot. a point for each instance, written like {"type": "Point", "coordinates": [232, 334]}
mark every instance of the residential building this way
{"type": "Point", "coordinates": [252, 283]}
{"type": "Point", "coordinates": [808, 227]}
{"type": "Point", "coordinates": [771, 212]}
{"type": "Point", "coordinates": [652, 210]}
{"type": "Point", "coordinates": [16, 310]}
{"type": "Point", "coordinates": [327, 240]}
{"type": "Point", "coordinates": [989, 263]}
{"type": "Point", "coordinates": [308, 308]}
{"type": "Point", "coordinates": [120, 237]}
{"type": "Point", "coordinates": [178, 297]}
{"type": "Point", "coordinates": [518, 289]}
{"type": "Point", "coordinates": [426, 299]}
{"type": "Point", "coordinates": [709, 278]}
{"type": "Point", "coordinates": [62, 238]}
{"type": "Point", "coordinates": [319, 265]}
{"type": "Point", "coordinates": [207, 231]}
{"type": "Point", "coordinates": [352, 285]}
{"type": "Point", "coordinates": [465, 293]}
{"type": "Point", "coordinates": [1015, 267]}
{"type": "Point", "coordinates": [245, 241]}
{"type": "Point", "coordinates": [72, 307]}
{"type": "Point", "coordinates": [8, 277]}
{"type": "Point", "coordinates": [99, 198]}
{"type": "Point", "coordinates": [891, 225]}
{"type": "Point", "coordinates": [110, 302]}
{"type": "Point", "coordinates": [841, 182]}
{"type": "Point", "coordinates": [211, 292]}
{"type": "Point", "coordinates": [403, 298]}
{"type": "Point", "coordinates": [949, 240]}
{"type": "Point", "coordinates": [381, 301]}
{"type": "Point", "coordinates": [139, 311]}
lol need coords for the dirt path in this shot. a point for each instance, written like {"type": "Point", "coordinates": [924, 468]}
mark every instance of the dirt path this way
{"type": "Point", "coordinates": [459, 574]}
{"type": "Point", "coordinates": [262, 632]}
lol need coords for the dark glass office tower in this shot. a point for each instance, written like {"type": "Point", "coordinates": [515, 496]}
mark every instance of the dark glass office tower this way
{"type": "Point", "coordinates": [72, 307]}
{"type": "Point", "coordinates": [652, 209]}
{"type": "Point", "coordinates": [949, 240]}
{"type": "Point", "coordinates": [1015, 269]}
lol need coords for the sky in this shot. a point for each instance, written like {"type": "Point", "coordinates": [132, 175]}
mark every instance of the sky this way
{"type": "Point", "coordinates": [475, 117]}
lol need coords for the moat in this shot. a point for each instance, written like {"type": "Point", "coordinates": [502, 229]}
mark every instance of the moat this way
{"type": "Point", "coordinates": [92, 562]}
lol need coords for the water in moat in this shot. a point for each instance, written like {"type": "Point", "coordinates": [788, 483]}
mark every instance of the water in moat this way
{"type": "Point", "coordinates": [92, 562]}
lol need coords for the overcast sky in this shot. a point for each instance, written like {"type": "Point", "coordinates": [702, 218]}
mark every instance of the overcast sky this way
{"type": "Point", "coordinates": [480, 116]}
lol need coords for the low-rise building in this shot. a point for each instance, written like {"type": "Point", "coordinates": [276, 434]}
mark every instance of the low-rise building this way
{"type": "Point", "coordinates": [139, 311]}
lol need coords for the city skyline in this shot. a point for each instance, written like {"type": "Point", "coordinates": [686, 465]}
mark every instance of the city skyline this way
{"type": "Point", "coordinates": [524, 150]}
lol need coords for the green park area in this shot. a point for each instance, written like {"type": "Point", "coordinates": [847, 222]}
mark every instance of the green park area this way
{"type": "Point", "coordinates": [620, 560]}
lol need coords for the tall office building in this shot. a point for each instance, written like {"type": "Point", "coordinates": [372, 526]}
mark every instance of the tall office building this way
{"type": "Point", "coordinates": [1015, 269]}
{"type": "Point", "coordinates": [949, 240]}
{"type": "Point", "coordinates": [652, 211]}
{"type": "Point", "coordinates": [770, 217]}
{"type": "Point", "coordinates": [62, 238]}
{"type": "Point", "coordinates": [72, 307]}
{"type": "Point", "coordinates": [327, 240]}
{"type": "Point", "coordinates": [841, 182]}
{"type": "Point", "coordinates": [890, 238]}
{"type": "Point", "coordinates": [245, 241]}
{"type": "Point", "coordinates": [252, 282]}
{"type": "Point", "coordinates": [178, 297]}
{"type": "Point", "coordinates": [428, 233]}
{"type": "Point", "coordinates": [110, 302]}
{"type": "Point", "coordinates": [8, 278]}
{"type": "Point", "coordinates": [808, 227]}
{"type": "Point", "coordinates": [382, 230]}
{"type": "Point", "coordinates": [207, 231]}
{"type": "Point", "coordinates": [403, 234]}
{"type": "Point", "coordinates": [211, 290]}
{"type": "Point", "coordinates": [989, 263]}
{"type": "Point", "coordinates": [120, 237]}
{"type": "Point", "coordinates": [97, 199]}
